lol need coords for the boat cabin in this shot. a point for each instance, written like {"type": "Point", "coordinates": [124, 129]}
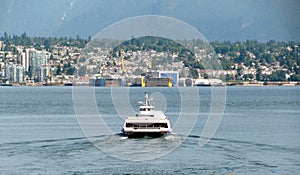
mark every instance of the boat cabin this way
{"type": "Point", "coordinates": [146, 110]}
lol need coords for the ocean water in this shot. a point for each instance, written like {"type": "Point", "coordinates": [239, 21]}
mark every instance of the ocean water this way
{"type": "Point", "coordinates": [258, 134]}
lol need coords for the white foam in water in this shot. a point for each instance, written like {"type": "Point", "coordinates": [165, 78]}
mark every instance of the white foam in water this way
{"type": "Point", "coordinates": [123, 138]}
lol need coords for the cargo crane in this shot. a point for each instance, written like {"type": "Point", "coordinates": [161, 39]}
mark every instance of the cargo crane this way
{"type": "Point", "coordinates": [149, 64]}
{"type": "Point", "coordinates": [123, 66]}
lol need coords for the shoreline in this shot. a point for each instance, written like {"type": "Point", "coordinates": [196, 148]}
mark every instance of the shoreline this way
{"type": "Point", "coordinates": [228, 84]}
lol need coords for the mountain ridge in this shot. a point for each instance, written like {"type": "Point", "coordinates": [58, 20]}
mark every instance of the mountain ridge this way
{"type": "Point", "coordinates": [218, 20]}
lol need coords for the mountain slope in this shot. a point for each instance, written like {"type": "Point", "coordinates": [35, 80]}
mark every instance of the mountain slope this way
{"type": "Point", "coordinates": [216, 20]}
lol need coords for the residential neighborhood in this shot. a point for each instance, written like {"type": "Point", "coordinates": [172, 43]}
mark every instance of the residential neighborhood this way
{"type": "Point", "coordinates": [59, 63]}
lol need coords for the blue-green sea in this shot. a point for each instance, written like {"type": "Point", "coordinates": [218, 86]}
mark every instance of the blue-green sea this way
{"type": "Point", "coordinates": [258, 134]}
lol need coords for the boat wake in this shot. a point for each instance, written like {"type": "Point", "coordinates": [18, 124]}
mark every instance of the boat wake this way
{"type": "Point", "coordinates": [137, 149]}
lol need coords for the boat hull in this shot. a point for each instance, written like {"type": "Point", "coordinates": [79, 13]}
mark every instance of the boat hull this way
{"type": "Point", "coordinates": [144, 134]}
{"type": "Point", "coordinates": [139, 133]}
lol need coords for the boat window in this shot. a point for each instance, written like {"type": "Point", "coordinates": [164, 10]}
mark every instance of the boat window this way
{"type": "Point", "coordinates": [164, 125]}
{"type": "Point", "coordinates": [154, 125]}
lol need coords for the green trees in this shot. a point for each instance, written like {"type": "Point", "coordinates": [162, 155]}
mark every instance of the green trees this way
{"type": "Point", "coordinates": [158, 44]}
{"type": "Point", "coordinates": [58, 70]}
{"type": "Point", "coordinates": [294, 77]}
{"type": "Point", "coordinates": [277, 76]}
{"type": "Point", "coordinates": [194, 73]}
{"type": "Point", "coordinates": [47, 42]}
{"type": "Point", "coordinates": [70, 71]}
{"type": "Point", "coordinates": [82, 70]}
{"type": "Point", "coordinates": [82, 60]}
{"type": "Point", "coordinates": [67, 69]}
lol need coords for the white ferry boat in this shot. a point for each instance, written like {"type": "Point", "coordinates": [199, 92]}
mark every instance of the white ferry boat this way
{"type": "Point", "coordinates": [148, 122]}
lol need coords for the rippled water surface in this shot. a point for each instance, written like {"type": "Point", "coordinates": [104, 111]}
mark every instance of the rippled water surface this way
{"type": "Point", "coordinates": [259, 134]}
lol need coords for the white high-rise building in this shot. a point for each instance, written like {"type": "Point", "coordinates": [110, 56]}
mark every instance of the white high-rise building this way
{"type": "Point", "coordinates": [38, 62]}
{"type": "Point", "coordinates": [28, 55]}
{"type": "Point", "coordinates": [42, 74]}
{"type": "Point", "coordinates": [14, 73]}
{"type": "Point", "coordinates": [9, 72]}
{"type": "Point", "coordinates": [23, 60]}
{"type": "Point", "coordinates": [1, 45]}
{"type": "Point", "coordinates": [20, 74]}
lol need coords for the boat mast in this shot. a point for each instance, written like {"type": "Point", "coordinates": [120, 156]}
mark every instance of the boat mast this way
{"type": "Point", "coordinates": [146, 98]}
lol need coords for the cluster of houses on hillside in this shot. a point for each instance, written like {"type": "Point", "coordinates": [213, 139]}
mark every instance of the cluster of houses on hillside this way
{"type": "Point", "coordinates": [57, 66]}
